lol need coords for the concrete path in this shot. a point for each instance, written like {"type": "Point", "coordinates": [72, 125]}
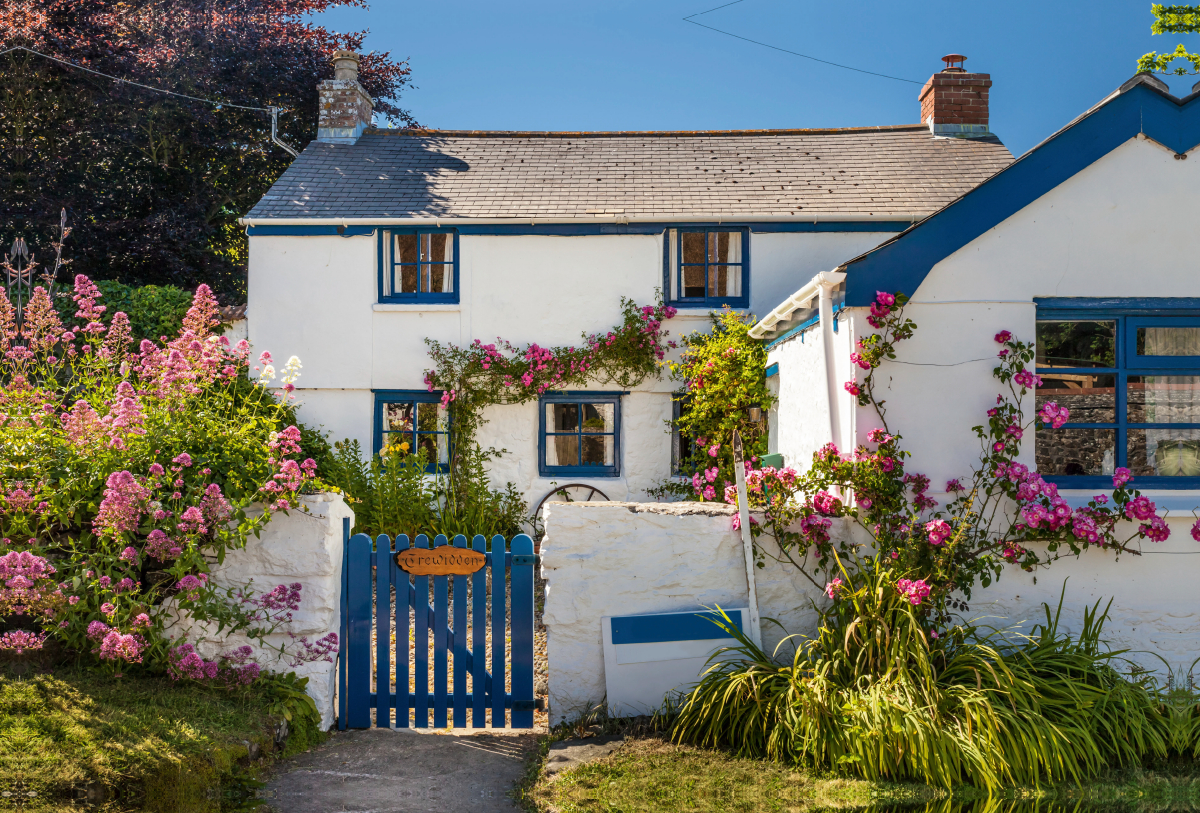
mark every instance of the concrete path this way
{"type": "Point", "coordinates": [397, 771]}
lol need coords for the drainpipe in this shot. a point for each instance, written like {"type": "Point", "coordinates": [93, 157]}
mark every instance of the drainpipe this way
{"type": "Point", "coordinates": [826, 282]}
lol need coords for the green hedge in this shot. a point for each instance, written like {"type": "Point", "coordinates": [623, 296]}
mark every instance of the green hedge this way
{"type": "Point", "coordinates": [154, 311]}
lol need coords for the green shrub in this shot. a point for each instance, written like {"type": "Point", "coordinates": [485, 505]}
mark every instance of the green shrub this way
{"type": "Point", "coordinates": [873, 695]}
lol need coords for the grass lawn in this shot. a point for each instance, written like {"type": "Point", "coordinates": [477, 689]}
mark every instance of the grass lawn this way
{"type": "Point", "coordinates": [140, 742]}
{"type": "Point", "coordinates": [655, 776]}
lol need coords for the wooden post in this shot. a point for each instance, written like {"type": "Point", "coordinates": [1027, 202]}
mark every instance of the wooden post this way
{"type": "Point", "coordinates": [739, 472]}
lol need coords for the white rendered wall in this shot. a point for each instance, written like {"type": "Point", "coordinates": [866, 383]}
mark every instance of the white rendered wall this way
{"type": "Point", "coordinates": [316, 298]}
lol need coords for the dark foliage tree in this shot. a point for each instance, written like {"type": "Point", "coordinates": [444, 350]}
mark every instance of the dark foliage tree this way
{"type": "Point", "coordinates": [154, 184]}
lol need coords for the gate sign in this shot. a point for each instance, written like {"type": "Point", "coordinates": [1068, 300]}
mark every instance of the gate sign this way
{"type": "Point", "coordinates": [441, 561]}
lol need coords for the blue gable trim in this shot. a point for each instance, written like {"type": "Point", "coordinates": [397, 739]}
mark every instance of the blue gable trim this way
{"type": "Point", "coordinates": [903, 263]}
{"type": "Point", "coordinates": [580, 229]}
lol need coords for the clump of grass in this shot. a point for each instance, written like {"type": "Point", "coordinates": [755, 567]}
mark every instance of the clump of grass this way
{"type": "Point", "coordinates": [139, 740]}
{"type": "Point", "coordinates": [875, 696]}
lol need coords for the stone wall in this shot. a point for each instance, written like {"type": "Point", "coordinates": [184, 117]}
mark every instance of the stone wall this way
{"type": "Point", "coordinates": [304, 547]}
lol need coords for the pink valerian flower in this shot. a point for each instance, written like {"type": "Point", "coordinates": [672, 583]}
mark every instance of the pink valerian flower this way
{"type": "Point", "coordinates": [1053, 414]}
{"type": "Point", "coordinates": [42, 328]}
{"type": "Point", "coordinates": [213, 505]}
{"type": "Point", "coordinates": [204, 314]}
{"type": "Point", "coordinates": [914, 591]}
{"type": "Point", "coordinates": [117, 647]}
{"type": "Point", "coordinates": [123, 505]}
{"type": "Point", "coordinates": [190, 585]}
{"type": "Point", "coordinates": [142, 621]}
{"type": "Point", "coordinates": [1121, 476]}
{"type": "Point", "coordinates": [129, 555]}
{"type": "Point", "coordinates": [827, 504]}
{"type": "Point", "coordinates": [1003, 337]}
{"type": "Point", "coordinates": [834, 587]}
{"type": "Point", "coordinates": [83, 425]}
{"type": "Point", "coordinates": [1028, 380]}
{"type": "Point", "coordinates": [18, 641]}
{"type": "Point", "coordinates": [125, 585]}
{"type": "Point", "coordinates": [954, 486]}
{"type": "Point", "coordinates": [192, 521]}
{"type": "Point", "coordinates": [938, 531]}
{"type": "Point", "coordinates": [162, 547]}
{"type": "Point", "coordinates": [323, 649]}
{"type": "Point", "coordinates": [97, 630]}
{"type": "Point", "coordinates": [105, 581]}
{"type": "Point", "coordinates": [108, 608]}
{"type": "Point", "coordinates": [27, 586]}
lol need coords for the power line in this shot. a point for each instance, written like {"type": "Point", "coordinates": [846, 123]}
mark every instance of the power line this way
{"type": "Point", "coordinates": [688, 19]}
{"type": "Point", "coordinates": [274, 111]}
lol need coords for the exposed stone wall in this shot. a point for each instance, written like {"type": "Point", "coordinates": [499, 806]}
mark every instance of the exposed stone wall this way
{"type": "Point", "coordinates": [296, 547]}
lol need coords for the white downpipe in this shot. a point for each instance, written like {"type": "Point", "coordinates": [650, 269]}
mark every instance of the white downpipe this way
{"type": "Point", "coordinates": [827, 281]}
{"type": "Point", "coordinates": [739, 476]}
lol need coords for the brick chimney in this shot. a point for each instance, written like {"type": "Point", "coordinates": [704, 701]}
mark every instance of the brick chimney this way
{"type": "Point", "coordinates": [954, 103]}
{"type": "Point", "coordinates": [345, 108]}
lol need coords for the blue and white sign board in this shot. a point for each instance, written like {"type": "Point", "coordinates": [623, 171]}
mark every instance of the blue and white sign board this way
{"type": "Point", "coordinates": [646, 656]}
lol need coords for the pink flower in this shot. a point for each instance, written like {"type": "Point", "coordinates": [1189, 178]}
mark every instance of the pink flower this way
{"type": "Point", "coordinates": [1028, 380]}
{"type": "Point", "coordinates": [1156, 529]}
{"type": "Point", "coordinates": [833, 588]}
{"type": "Point", "coordinates": [129, 555]}
{"type": "Point", "coordinates": [116, 646]}
{"type": "Point", "coordinates": [913, 590]}
{"type": "Point", "coordinates": [1140, 508]}
{"type": "Point", "coordinates": [954, 486]}
{"type": "Point", "coordinates": [826, 503]}
{"type": "Point", "coordinates": [710, 493]}
{"type": "Point", "coordinates": [885, 299]}
{"type": "Point", "coordinates": [107, 608]}
{"type": "Point", "coordinates": [852, 388]}
{"type": "Point", "coordinates": [712, 450]}
{"type": "Point", "coordinates": [938, 530]}
{"type": "Point", "coordinates": [998, 446]}
{"type": "Point", "coordinates": [1196, 531]}
{"type": "Point", "coordinates": [1015, 431]}
{"type": "Point", "coordinates": [1053, 414]}
{"type": "Point", "coordinates": [1121, 476]}
{"type": "Point", "coordinates": [1003, 336]}
{"type": "Point", "coordinates": [860, 361]}
{"type": "Point", "coordinates": [865, 503]}
{"type": "Point", "coordinates": [122, 506]}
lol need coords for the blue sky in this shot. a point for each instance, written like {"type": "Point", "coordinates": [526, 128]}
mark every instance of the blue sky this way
{"type": "Point", "coordinates": [636, 65]}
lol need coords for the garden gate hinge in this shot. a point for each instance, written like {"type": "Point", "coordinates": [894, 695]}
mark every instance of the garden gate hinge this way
{"type": "Point", "coordinates": [526, 559]}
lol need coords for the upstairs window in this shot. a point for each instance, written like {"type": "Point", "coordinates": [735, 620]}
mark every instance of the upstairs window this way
{"type": "Point", "coordinates": [413, 420]}
{"type": "Point", "coordinates": [418, 266]}
{"type": "Point", "coordinates": [1132, 385]}
{"type": "Point", "coordinates": [707, 267]}
{"type": "Point", "coordinates": [579, 435]}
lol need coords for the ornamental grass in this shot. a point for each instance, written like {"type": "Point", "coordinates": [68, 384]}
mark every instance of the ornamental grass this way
{"type": "Point", "coordinates": [873, 695]}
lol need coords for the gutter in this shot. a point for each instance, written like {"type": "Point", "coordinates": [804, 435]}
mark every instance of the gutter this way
{"type": "Point", "coordinates": [831, 217]}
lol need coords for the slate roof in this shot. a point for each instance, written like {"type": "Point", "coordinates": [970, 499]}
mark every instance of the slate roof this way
{"type": "Point", "coordinates": [897, 170]}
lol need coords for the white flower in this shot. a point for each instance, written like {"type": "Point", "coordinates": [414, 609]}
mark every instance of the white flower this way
{"type": "Point", "coordinates": [268, 373]}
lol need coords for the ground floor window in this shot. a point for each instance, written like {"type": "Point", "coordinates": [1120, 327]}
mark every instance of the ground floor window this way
{"type": "Point", "coordinates": [411, 420]}
{"type": "Point", "coordinates": [1131, 380]}
{"type": "Point", "coordinates": [579, 434]}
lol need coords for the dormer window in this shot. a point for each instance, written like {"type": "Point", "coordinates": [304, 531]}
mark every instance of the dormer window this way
{"type": "Point", "coordinates": [707, 267]}
{"type": "Point", "coordinates": [418, 266]}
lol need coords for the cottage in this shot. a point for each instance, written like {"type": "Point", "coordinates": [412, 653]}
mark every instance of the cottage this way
{"type": "Point", "coordinates": [374, 240]}
{"type": "Point", "coordinates": [1087, 244]}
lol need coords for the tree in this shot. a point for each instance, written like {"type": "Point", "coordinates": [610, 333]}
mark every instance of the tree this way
{"type": "Point", "coordinates": [154, 184]}
{"type": "Point", "coordinates": [1173, 20]}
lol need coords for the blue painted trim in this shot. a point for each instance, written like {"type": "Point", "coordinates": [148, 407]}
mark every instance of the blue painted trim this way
{"type": "Point", "coordinates": [383, 397]}
{"type": "Point", "coordinates": [310, 231]}
{"type": "Point", "coordinates": [675, 297]}
{"type": "Point", "coordinates": [1134, 306]}
{"type": "Point", "coordinates": [903, 263]}
{"type": "Point", "coordinates": [591, 229]}
{"type": "Point", "coordinates": [653, 629]}
{"type": "Point", "coordinates": [387, 265]}
{"type": "Point", "coordinates": [1104, 482]}
{"type": "Point", "coordinates": [806, 324]}
{"type": "Point", "coordinates": [772, 369]}
{"type": "Point", "coordinates": [582, 397]}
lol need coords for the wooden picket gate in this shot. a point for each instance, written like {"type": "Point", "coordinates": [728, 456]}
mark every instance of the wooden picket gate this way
{"type": "Point", "coordinates": [446, 618]}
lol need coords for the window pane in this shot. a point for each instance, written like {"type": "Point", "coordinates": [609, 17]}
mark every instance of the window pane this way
{"type": "Point", "coordinates": [599, 450]}
{"type": "Point", "coordinates": [407, 279]}
{"type": "Point", "coordinates": [1076, 451]}
{"type": "Point", "coordinates": [693, 280]}
{"type": "Point", "coordinates": [1163, 398]}
{"type": "Point", "coordinates": [432, 417]}
{"type": "Point", "coordinates": [1168, 341]}
{"type": "Point", "coordinates": [1077, 344]}
{"type": "Point", "coordinates": [437, 447]}
{"type": "Point", "coordinates": [562, 450]}
{"type": "Point", "coordinates": [408, 249]}
{"type": "Point", "coordinates": [397, 441]}
{"type": "Point", "coordinates": [598, 417]}
{"type": "Point", "coordinates": [1164, 452]}
{"type": "Point", "coordinates": [724, 247]}
{"type": "Point", "coordinates": [398, 417]}
{"type": "Point", "coordinates": [437, 278]}
{"type": "Point", "coordinates": [437, 248]}
{"type": "Point", "coordinates": [1089, 398]}
{"type": "Point", "coordinates": [724, 280]}
{"type": "Point", "coordinates": [693, 247]}
{"type": "Point", "coordinates": [562, 417]}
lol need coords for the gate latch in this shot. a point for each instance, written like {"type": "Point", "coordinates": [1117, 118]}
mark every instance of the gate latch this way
{"type": "Point", "coordinates": [526, 559]}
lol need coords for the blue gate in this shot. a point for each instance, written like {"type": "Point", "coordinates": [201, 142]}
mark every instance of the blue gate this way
{"type": "Point", "coordinates": [370, 579]}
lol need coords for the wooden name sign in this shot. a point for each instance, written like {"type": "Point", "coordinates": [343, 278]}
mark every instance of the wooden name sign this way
{"type": "Point", "coordinates": [443, 561]}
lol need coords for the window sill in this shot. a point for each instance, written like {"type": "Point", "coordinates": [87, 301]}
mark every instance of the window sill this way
{"type": "Point", "coordinates": [1170, 502]}
{"type": "Point", "coordinates": [416, 307]}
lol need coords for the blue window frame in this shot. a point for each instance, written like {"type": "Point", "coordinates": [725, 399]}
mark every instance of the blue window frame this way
{"type": "Point", "coordinates": [707, 266]}
{"type": "Point", "coordinates": [416, 418]}
{"type": "Point", "coordinates": [1129, 372]}
{"type": "Point", "coordinates": [579, 434]}
{"type": "Point", "coordinates": [418, 266]}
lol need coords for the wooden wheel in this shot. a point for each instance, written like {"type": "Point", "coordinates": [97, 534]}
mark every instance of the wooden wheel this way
{"type": "Point", "coordinates": [571, 492]}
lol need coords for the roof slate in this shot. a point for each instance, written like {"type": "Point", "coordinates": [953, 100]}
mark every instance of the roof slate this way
{"type": "Point", "coordinates": [899, 170]}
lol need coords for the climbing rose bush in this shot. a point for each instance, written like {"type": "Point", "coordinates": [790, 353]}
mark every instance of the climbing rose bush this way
{"type": "Point", "coordinates": [1002, 514]}
{"type": "Point", "coordinates": [127, 470]}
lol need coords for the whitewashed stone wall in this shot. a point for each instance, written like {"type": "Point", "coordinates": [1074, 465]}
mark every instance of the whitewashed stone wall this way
{"type": "Point", "coordinates": [604, 559]}
{"type": "Point", "coordinates": [301, 546]}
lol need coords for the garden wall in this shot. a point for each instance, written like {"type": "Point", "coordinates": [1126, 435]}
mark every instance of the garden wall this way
{"type": "Point", "coordinates": [304, 547]}
{"type": "Point", "coordinates": [606, 559]}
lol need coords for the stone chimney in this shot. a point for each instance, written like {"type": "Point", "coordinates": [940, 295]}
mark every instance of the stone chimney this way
{"type": "Point", "coordinates": [345, 108]}
{"type": "Point", "coordinates": [954, 103]}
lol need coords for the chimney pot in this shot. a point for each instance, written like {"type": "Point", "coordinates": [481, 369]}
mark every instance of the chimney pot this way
{"type": "Point", "coordinates": [344, 107]}
{"type": "Point", "coordinates": [954, 103]}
